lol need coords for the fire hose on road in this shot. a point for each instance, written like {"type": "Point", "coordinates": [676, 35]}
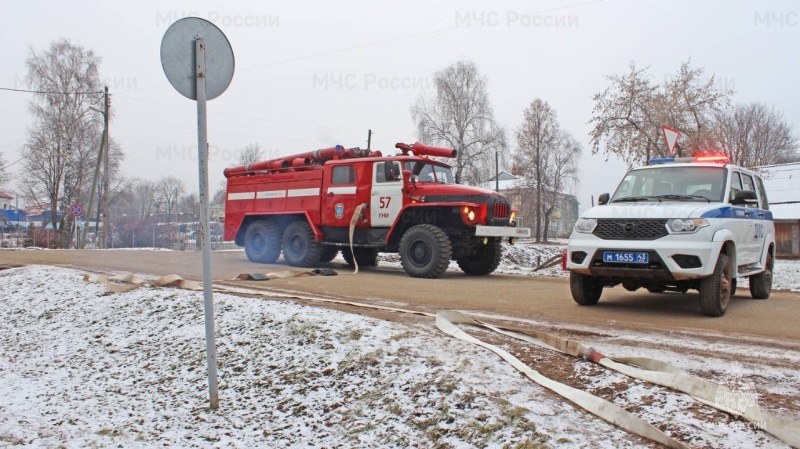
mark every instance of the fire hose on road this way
{"type": "Point", "coordinates": [645, 369]}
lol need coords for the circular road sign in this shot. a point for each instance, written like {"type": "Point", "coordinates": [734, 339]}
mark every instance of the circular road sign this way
{"type": "Point", "coordinates": [178, 57]}
{"type": "Point", "coordinates": [75, 209]}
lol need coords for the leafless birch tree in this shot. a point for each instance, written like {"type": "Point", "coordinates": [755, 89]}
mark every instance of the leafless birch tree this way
{"type": "Point", "coordinates": [460, 116]}
{"type": "Point", "coordinates": [63, 141]}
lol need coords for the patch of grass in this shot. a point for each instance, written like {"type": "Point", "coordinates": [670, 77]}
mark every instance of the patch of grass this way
{"type": "Point", "coordinates": [362, 363]}
{"type": "Point", "coordinates": [13, 441]}
{"type": "Point", "coordinates": [355, 334]}
{"type": "Point", "coordinates": [401, 335]}
{"type": "Point", "coordinates": [109, 432]}
{"type": "Point", "coordinates": [527, 444]}
{"type": "Point", "coordinates": [303, 332]}
{"type": "Point", "coordinates": [432, 362]}
{"type": "Point", "coordinates": [446, 385]}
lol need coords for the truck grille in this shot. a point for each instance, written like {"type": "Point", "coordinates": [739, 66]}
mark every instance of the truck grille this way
{"type": "Point", "coordinates": [630, 229]}
{"type": "Point", "coordinates": [500, 210]}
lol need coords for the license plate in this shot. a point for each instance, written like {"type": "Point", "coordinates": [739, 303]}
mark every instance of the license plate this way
{"type": "Point", "coordinates": [625, 257]}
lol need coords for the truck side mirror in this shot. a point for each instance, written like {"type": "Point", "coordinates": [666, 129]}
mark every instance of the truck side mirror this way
{"type": "Point", "coordinates": [745, 197]}
{"type": "Point", "coordinates": [391, 171]}
{"type": "Point", "coordinates": [602, 199]}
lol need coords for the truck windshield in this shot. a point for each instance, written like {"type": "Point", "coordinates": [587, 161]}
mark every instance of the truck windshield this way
{"type": "Point", "coordinates": [690, 183]}
{"type": "Point", "coordinates": [427, 172]}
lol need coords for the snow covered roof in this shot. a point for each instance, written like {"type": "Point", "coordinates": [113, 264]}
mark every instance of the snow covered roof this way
{"type": "Point", "coordinates": [5, 195]}
{"type": "Point", "coordinates": [504, 179]}
{"type": "Point", "coordinates": [782, 183]}
{"type": "Point", "coordinates": [504, 176]}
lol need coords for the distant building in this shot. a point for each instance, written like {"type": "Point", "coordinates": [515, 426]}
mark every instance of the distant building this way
{"type": "Point", "coordinates": [10, 216]}
{"type": "Point", "coordinates": [5, 200]}
{"type": "Point", "coordinates": [522, 197]}
{"type": "Point", "coordinates": [781, 182]}
{"type": "Point", "coordinates": [217, 212]}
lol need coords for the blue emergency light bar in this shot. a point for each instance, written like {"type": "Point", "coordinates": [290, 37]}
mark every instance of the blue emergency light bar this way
{"type": "Point", "coordinates": [718, 158]}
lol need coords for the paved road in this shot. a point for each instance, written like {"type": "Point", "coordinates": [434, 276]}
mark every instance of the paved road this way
{"type": "Point", "coordinates": [521, 297]}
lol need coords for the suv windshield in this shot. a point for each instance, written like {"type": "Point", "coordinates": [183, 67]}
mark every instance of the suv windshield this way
{"type": "Point", "coordinates": [689, 183]}
{"type": "Point", "coordinates": [425, 172]}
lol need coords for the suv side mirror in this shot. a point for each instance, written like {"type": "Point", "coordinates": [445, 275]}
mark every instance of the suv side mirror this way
{"type": "Point", "coordinates": [602, 199]}
{"type": "Point", "coordinates": [745, 197]}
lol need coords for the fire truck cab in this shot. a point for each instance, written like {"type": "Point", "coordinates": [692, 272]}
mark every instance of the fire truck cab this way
{"type": "Point", "coordinates": [312, 205]}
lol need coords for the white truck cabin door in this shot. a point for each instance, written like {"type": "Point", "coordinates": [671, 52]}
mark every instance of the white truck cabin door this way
{"type": "Point", "coordinates": [387, 194]}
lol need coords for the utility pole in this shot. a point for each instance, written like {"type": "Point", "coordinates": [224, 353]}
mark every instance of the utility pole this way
{"type": "Point", "coordinates": [106, 213]}
{"type": "Point", "coordinates": [496, 171]}
{"type": "Point", "coordinates": [94, 179]}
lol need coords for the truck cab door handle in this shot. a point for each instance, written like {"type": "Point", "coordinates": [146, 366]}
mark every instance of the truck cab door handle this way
{"type": "Point", "coordinates": [330, 194]}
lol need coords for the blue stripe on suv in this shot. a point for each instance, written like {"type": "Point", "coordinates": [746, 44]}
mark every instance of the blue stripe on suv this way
{"type": "Point", "coordinates": [739, 212]}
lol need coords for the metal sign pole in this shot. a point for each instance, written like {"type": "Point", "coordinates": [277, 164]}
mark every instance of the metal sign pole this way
{"type": "Point", "coordinates": [205, 238]}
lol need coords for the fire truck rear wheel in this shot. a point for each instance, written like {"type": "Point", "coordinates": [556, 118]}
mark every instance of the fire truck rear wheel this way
{"type": "Point", "coordinates": [366, 257]}
{"type": "Point", "coordinates": [425, 251]}
{"type": "Point", "coordinates": [328, 253]}
{"type": "Point", "coordinates": [262, 242]}
{"type": "Point", "coordinates": [484, 261]}
{"type": "Point", "coordinates": [299, 247]}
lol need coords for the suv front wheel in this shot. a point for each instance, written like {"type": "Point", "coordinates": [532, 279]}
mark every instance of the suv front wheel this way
{"type": "Point", "coordinates": [586, 290]}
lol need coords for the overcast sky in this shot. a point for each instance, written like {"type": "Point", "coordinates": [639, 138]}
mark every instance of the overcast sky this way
{"type": "Point", "coordinates": [314, 73]}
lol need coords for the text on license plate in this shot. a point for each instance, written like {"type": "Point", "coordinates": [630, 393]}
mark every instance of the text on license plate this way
{"type": "Point", "coordinates": [625, 257]}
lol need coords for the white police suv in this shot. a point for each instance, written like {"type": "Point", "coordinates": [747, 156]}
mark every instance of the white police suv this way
{"type": "Point", "coordinates": [677, 224]}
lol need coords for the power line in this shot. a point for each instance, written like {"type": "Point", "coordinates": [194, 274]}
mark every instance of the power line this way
{"type": "Point", "coordinates": [414, 36]}
{"type": "Point", "coordinates": [283, 122]}
{"type": "Point", "coordinates": [9, 165]}
{"type": "Point", "coordinates": [387, 41]}
{"type": "Point", "coordinates": [217, 132]}
{"type": "Point", "coordinates": [49, 92]}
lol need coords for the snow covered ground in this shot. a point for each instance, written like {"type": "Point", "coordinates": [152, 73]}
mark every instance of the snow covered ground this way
{"type": "Point", "coordinates": [83, 368]}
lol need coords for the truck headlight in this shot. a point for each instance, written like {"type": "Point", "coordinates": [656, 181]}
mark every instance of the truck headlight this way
{"type": "Point", "coordinates": [685, 226]}
{"type": "Point", "coordinates": [585, 225]}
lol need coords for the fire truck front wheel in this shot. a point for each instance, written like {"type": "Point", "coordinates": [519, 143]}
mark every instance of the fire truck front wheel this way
{"type": "Point", "coordinates": [425, 251]}
{"type": "Point", "coordinates": [262, 242]}
{"type": "Point", "coordinates": [299, 247]}
{"type": "Point", "coordinates": [484, 260]}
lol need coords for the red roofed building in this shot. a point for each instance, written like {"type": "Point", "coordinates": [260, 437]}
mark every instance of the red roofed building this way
{"type": "Point", "coordinates": [5, 200]}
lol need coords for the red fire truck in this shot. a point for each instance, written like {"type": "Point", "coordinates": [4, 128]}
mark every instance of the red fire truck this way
{"type": "Point", "coordinates": [312, 205]}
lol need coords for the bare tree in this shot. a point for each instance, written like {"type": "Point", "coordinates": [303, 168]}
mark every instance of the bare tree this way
{"type": "Point", "coordinates": [537, 140]}
{"type": "Point", "coordinates": [460, 116]}
{"type": "Point", "coordinates": [145, 196]}
{"type": "Point", "coordinates": [250, 154]}
{"type": "Point", "coordinates": [65, 135]}
{"type": "Point", "coordinates": [562, 169]}
{"type": "Point", "coordinates": [189, 204]}
{"type": "Point", "coordinates": [219, 194]}
{"type": "Point", "coordinates": [690, 103]}
{"type": "Point", "coordinates": [169, 189]}
{"type": "Point", "coordinates": [4, 177]}
{"type": "Point", "coordinates": [753, 134]}
{"type": "Point", "coordinates": [628, 115]}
